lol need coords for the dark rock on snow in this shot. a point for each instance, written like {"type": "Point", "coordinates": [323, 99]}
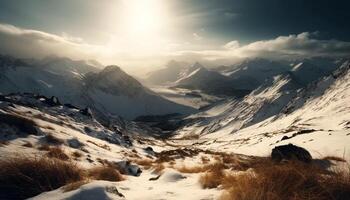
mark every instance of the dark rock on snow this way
{"type": "Point", "coordinates": [289, 152]}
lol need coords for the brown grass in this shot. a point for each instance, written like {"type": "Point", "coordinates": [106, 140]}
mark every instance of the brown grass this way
{"type": "Point", "coordinates": [103, 146]}
{"type": "Point", "coordinates": [143, 162]}
{"type": "Point", "coordinates": [334, 158]}
{"type": "Point", "coordinates": [201, 168]}
{"type": "Point", "coordinates": [28, 144]}
{"type": "Point", "coordinates": [49, 127]}
{"type": "Point", "coordinates": [158, 168]}
{"type": "Point", "coordinates": [75, 185]}
{"type": "Point", "coordinates": [205, 159]}
{"type": "Point", "coordinates": [77, 154]}
{"type": "Point", "coordinates": [290, 181]}
{"type": "Point", "coordinates": [210, 180]}
{"type": "Point", "coordinates": [4, 143]}
{"type": "Point", "coordinates": [105, 173]}
{"type": "Point", "coordinates": [44, 147]}
{"type": "Point", "coordinates": [55, 152]}
{"type": "Point", "coordinates": [23, 177]}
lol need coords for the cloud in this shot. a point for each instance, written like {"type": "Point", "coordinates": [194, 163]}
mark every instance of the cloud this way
{"type": "Point", "coordinates": [232, 45]}
{"type": "Point", "coordinates": [197, 37]}
{"type": "Point", "coordinates": [301, 45]}
{"type": "Point", "coordinates": [32, 43]}
{"type": "Point", "coordinates": [21, 42]}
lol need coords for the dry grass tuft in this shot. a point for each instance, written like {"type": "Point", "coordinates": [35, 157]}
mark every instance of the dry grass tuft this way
{"type": "Point", "coordinates": [205, 159]}
{"type": "Point", "coordinates": [105, 173]}
{"type": "Point", "coordinates": [143, 162]}
{"type": "Point", "coordinates": [77, 154]}
{"type": "Point", "coordinates": [334, 158]}
{"type": "Point", "coordinates": [4, 143]}
{"type": "Point", "coordinates": [292, 180]}
{"type": "Point", "coordinates": [158, 168]}
{"type": "Point", "coordinates": [55, 152]}
{"type": "Point", "coordinates": [28, 144]}
{"type": "Point", "coordinates": [213, 177]}
{"type": "Point", "coordinates": [23, 177]}
{"type": "Point", "coordinates": [201, 168]}
{"type": "Point", "coordinates": [210, 180]}
{"type": "Point", "coordinates": [75, 185]}
{"type": "Point", "coordinates": [103, 146]}
{"type": "Point", "coordinates": [44, 147]}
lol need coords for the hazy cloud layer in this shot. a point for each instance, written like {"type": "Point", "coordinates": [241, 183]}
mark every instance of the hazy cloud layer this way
{"type": "Point", "coordinates": [32, 43]}
{"type": "Point", "coordinates": [301, 45]}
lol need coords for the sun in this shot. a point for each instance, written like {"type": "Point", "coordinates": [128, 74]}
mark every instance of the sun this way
{"type": "Point", "coordinates": [144, 18]}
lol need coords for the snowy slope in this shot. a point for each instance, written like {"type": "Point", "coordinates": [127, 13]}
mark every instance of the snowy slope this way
{"type": "Point", "coordinates": [316, 118]}
{"type": "Point", "coordinates": [109, 91]}
{"type": "Point", "coordinates": [96, 143]}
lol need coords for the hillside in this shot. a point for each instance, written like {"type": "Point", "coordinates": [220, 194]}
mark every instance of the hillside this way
{"type": "Point", "coordinates": [108, 91]}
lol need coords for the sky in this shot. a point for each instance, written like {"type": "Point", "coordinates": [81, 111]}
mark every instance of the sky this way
{"type": "Point", "coordinates": [134, 33]}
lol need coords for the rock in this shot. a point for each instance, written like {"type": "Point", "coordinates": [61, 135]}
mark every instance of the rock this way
{"type": "Point", "coordinates": [53, 101]}
{"type": "Point", "coordinates": [87, 129]}
{"type": "Point", "coordinates": [75, 143]}
{"type": "Point", "coordinates": [289, 152]}
{"type": "Point", "coordinates": [68, 105]}
{"type": "Point", "coordinates": [149, 150]}
{"type": "Point", "coordinates": [129, 169]}
{"type": "Point", "coordinates": [86, 111]}
{"type": "Point", "coordinates": [127, 140]}
{"type": "Point", "coordinates": [285, 138]}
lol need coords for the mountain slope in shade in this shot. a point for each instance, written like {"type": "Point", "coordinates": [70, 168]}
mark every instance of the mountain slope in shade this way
{"type": "Point", "coordinates": [169, 74]}
{"type": "Point", "coordinates": [108, 91]}
{"type": "Point", "coordinates": [211, 82]}
{"type": "Point", "coordinates": [115, 92]}
{"type": "Point", "coordinates": [306, 72]}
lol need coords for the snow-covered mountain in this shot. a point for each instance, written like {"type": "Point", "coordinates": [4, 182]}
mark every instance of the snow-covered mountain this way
{"type": "Point", "coordinates": [171, 73]}
{"type": "Point", "coordinates": [315, 116]}
{"type": "Point", "coordinates": [280, 111]}
{"type": "Point", "coordinates": [250, 73]}
{"type": "Point", "coordinates": [211, 82]}
{"type": "Point", "coordinates": [109, 90]}
{"type": "Point", "coordinates": [113, 91]}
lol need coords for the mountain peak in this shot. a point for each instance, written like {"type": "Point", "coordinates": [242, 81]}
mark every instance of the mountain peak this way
{"type": "Point", "coordinates": [197, 65]}
{"type": "Point", "coordinates": [112, 68]}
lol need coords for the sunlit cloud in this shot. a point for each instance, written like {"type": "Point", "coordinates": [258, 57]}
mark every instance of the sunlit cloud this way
{"type": "Point", "coordinates": [33, 43]}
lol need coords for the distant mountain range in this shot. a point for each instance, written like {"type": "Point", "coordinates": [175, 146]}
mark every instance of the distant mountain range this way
{"type": "Point", "coordinates": [84, 83]}
{"type": "Point", "coordinates": [241, 78]}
